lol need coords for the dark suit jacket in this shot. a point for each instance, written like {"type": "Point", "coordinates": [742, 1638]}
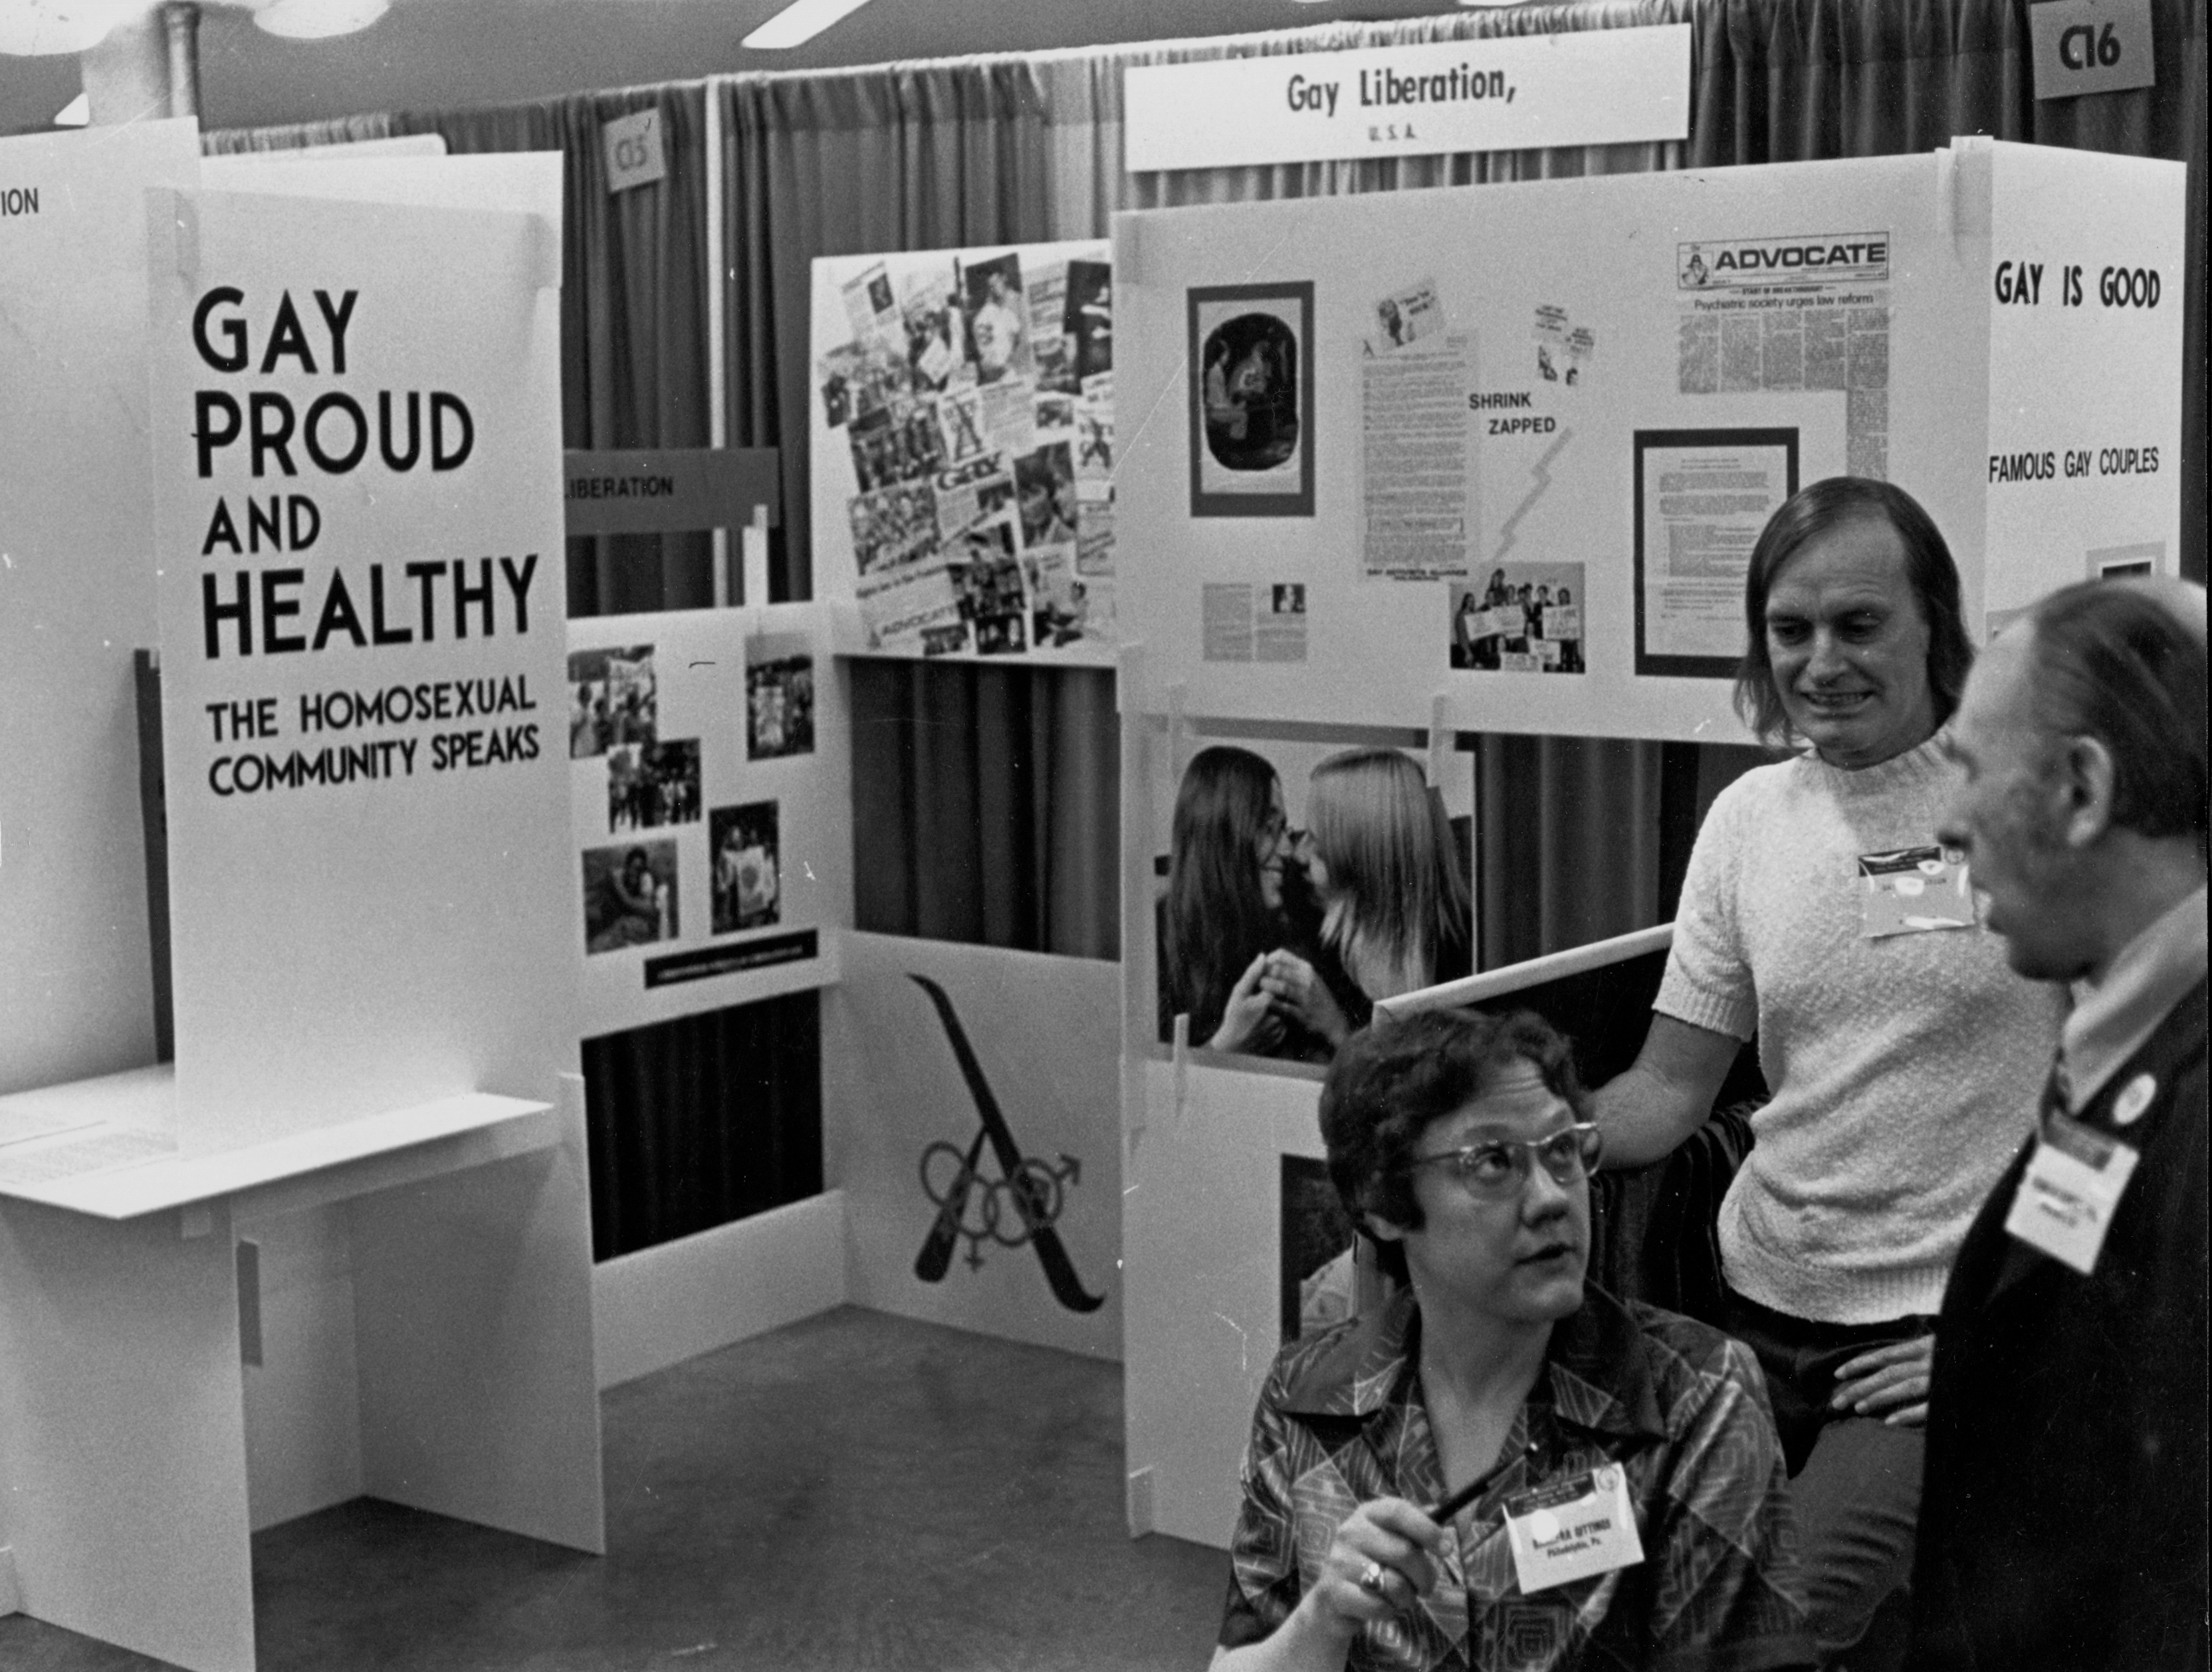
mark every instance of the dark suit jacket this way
{"type": "Point", "coordinates": [2062, 1521]}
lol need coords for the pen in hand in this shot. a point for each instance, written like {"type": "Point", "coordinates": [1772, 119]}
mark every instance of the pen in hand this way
{"type": "Point", "coordinates": [1455, 1502]}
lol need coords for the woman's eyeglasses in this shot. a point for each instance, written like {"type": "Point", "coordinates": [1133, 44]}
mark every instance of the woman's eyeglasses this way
{"type": "Point", "coordinates": [1499, 1166]}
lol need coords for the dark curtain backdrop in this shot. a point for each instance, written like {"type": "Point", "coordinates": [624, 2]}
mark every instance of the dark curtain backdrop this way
{"type": "Point", "coordinates": [696, 1123]}
{"type": "Point", "coordinates": [633, 316]}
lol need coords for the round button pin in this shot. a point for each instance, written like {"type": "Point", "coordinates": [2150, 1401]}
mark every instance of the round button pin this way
{"type": "Point", "coordinates": [2135, 1097]}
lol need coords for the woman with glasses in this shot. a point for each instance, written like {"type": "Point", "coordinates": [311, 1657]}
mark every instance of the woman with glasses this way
{"type": "Point", "coordinates": [1237, 931]}
{"type": "Point", "coordinates": [1504, 1466]}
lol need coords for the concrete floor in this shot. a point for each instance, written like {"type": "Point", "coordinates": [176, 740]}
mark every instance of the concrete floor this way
{"type": "Point", "coordinates": [856, 1491]}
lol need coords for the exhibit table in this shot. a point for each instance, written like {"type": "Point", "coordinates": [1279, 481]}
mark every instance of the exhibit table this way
{"type": "Point", "coordinates": [129, 1305]}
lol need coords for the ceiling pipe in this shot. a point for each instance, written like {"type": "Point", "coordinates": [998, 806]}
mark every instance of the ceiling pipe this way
{"type": "Point", "coordinates": [180, 21]}
{"type": "Point", "coordinates": [147, 67]}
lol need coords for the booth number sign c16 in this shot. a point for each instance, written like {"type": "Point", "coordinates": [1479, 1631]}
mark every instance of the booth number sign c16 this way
{"type": "Point", "coordinates": [2091, 46]}
{"type": "Point", "coordinates": [634, 155]}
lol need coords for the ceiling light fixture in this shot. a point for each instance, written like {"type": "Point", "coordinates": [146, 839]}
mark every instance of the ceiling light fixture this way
{"type": "Point", "coordinates": [799, 22]}
{"type": "Point", "coordinates": [41, 28]}
{"type": "Point", "coordinates": [318, 20]}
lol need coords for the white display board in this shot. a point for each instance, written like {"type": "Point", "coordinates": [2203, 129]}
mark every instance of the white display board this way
{"type": "Point", "coordinates": [357, 479]}
{"type": "Point", "coordinates": [709, 795]}
{"type": "Point", "coordinates": [1494, 460]}
{"type": "Point", "coordinates": [971, 1123]}
{"type": "Point", "coordinates": [1202, 1238]}
{"type": "Point", "coordinates": [1510, 445]}
{"type": "Point", "coordinates": [963, 461]}
{"type": "Point", "coordinates": [2084, 430]}
{"type": "Point", "coordinates": [76, 596]}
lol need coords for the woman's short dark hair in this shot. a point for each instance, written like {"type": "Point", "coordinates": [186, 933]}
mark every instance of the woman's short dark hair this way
{"type": "Point", "coordinates": [1934, 577]}
{"type": "Point", "coordinates": [1392, 1080]}
{"type": "Point", "coordinates": [2113, 662]}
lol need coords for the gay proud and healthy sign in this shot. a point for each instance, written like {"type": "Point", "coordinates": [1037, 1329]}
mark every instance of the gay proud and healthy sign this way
{"type": "Point", "coordinates": [357, 454]}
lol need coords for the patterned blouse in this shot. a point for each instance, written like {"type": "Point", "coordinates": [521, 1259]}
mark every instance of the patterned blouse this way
{"type": "Point", "coordinates": [1681, 1407]}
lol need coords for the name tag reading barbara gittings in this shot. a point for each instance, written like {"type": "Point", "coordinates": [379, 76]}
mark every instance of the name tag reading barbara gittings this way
{"type": "Point", "coordinates": [1571, 1528]}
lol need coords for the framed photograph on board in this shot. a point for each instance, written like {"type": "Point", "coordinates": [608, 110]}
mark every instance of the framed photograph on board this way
{"type": "Point", "coordinates": [1702, 497]}
{"type": "Point", "coordinates": [1252, 400]}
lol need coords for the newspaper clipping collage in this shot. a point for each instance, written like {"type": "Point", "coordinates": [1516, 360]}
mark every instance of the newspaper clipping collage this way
{"type": "Point", "coordinates": [971, 421]}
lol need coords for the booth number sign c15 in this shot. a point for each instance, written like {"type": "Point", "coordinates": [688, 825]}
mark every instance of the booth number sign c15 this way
{"type": "Point", "coordinates": [2091, 46]}
{"type": "Point", "coordinates": [633, 150]}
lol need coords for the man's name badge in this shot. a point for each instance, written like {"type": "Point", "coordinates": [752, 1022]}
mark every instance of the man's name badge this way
{"type": "Point", "coordinates": [1571, 1528]}
{"type": "Point", "coordinates": [2067, 1197]}
{"type": "Point", "coordinates": [1910, 891]}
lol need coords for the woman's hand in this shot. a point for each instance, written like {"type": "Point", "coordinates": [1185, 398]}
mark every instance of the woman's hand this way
{"type": "Point", "coordinates": [1249, 1022]}
{"type": "Point", "coordinates": [1378, 1564]}
{"type": "Point", "coordinates": [1890, 1383]}
{"type": "Point", "coordinates": [1301, 994]}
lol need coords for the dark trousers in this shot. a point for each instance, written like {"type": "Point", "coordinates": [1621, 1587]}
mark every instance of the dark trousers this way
{"type": "Point", "coordinates": [1854, 1482]}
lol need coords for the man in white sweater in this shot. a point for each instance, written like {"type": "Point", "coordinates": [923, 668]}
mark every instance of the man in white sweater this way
{"type": "Point", "coordinates": [1821, 913]}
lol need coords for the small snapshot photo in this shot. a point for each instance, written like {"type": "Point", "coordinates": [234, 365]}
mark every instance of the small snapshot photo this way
{"type": "Point", "coordinates": [988, 582]}
{"type": "Point", "coordinates": [1090, 319]}
{"type": "Point", "coordinates": [1251, 437]}
{"type": "Point", "coordinates": [860, 378]}
{"type": "Point", "coordinates": [1405, 317]}
{"type": "Point", "coordinates": [932, 326]}
{"type": "Point", "coordinates": [747, 881]}
{"type": "Point", "coordinates": [998, 318]}
{"type": "Point", "coordinates": [1056, 595]}
{"type": "Point", "coordinates": [652, 784]}
{"type": "Point", "coordinates": [612, 700]}
{"type": "Point", "coordinates": [779, 696]}
{"type": "Point", "coordinates": [630, 895]}
{"type": "Point", "coordinates": [893, 526]}
{"type": "Point", "coordinates": [1045, 483]}
{"type": "Point", "coordinates": [1523, 618]}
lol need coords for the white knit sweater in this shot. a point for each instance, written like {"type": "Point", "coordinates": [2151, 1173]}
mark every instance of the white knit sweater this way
{"type": "Point", "coordinates": [1905, 1070]}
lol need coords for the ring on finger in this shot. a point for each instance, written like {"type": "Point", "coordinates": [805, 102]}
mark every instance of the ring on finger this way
{"type": "Point", "coordinates": [1375, 1579]}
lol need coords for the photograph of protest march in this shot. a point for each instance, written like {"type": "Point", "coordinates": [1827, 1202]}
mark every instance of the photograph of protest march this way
{"type": "Point", "coordinates": [1523, 618]}
{"type": "Point", "coordinates": [652, 784]}
{"type": "Point", "coordinates": [612, 699]}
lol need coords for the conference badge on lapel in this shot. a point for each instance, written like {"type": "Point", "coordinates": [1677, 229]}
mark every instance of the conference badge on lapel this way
{"type": "Point", "coordinates": [2072, 1187]}
{"type": "Point", "coordinates": [1571, 1528]}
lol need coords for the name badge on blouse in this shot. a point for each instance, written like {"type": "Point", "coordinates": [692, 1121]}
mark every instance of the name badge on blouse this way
{"type": "Point", "coordinates": [2068, 1195]}
{"type": "Point", "coordinates": [1571, 1528]}
{"type": "Point", "coordinates": [1911, 890]}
